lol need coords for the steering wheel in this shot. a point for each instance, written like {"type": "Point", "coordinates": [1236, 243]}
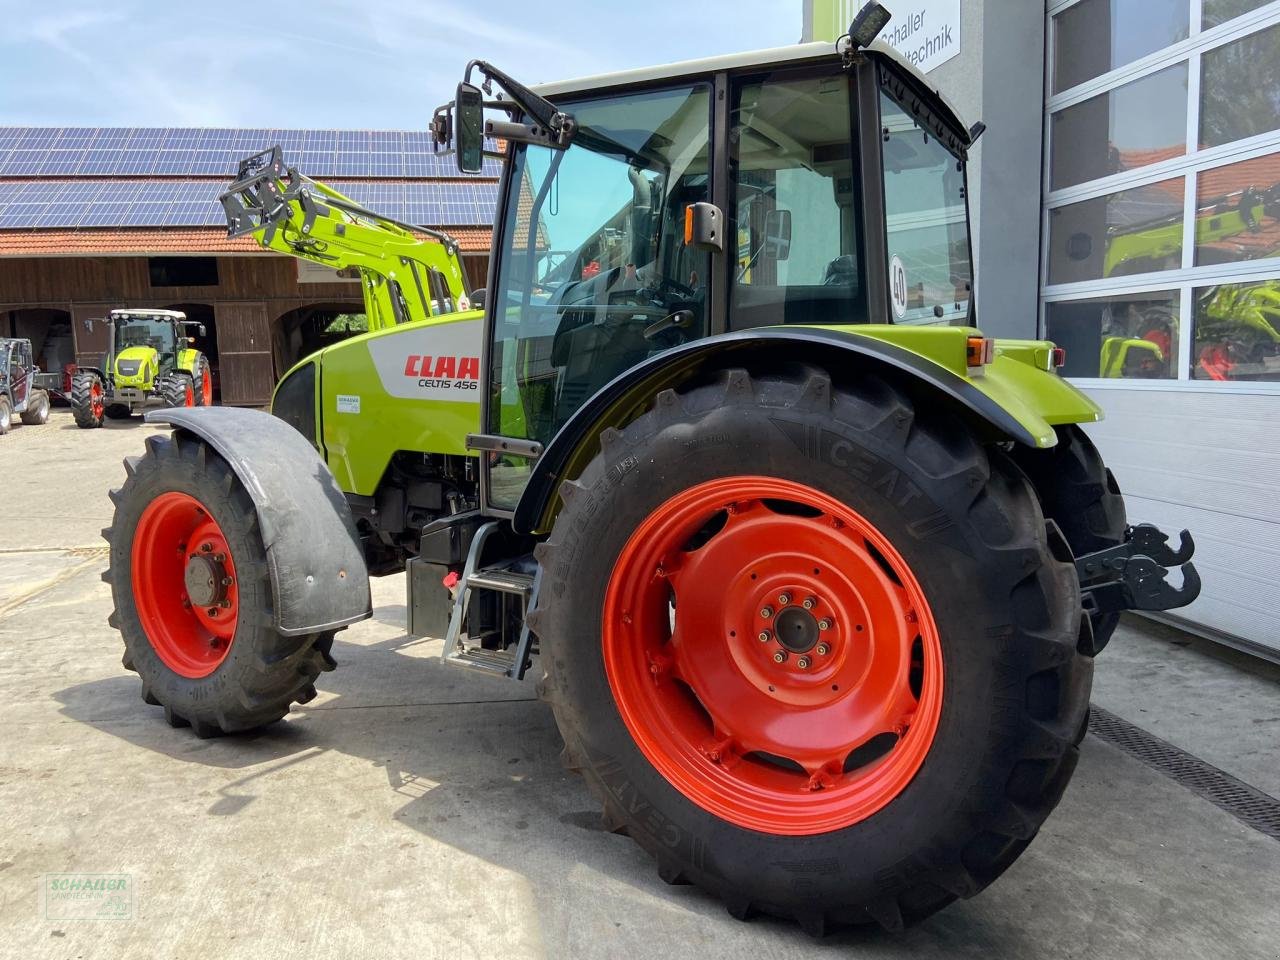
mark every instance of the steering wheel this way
{"type": "Point", "coordinates": [666, 283]}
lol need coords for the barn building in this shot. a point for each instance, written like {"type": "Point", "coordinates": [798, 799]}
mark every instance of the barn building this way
{"type": "Point", "coordinates": [97, 218]}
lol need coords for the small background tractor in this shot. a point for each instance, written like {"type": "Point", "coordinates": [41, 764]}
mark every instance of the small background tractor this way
{"type": "Point", "coordinates": [21, 393]}
{"type": "Point", "coordinates": [813, 595]}
{"type": "Point", "coordinates": [149, 362]}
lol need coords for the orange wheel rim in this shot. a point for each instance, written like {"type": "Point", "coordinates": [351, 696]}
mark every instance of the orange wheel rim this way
{"type": "Point", "coordinates": [772, 655]}
{"type": "Point", "coordinates": [184, 585]}
{"type": "Point", "coordinates": [206, 390]}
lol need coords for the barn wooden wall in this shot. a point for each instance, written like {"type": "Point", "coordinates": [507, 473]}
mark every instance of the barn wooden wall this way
{"type": "Point", "coordinates": [252, 293]}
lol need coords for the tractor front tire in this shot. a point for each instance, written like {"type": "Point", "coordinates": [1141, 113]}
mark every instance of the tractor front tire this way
{"type": "Point", "coordinates": [814, 649]}
{"type": "Point", "coordinates": [176, 390]}
{"type": "Point", "coordinates": [6, 416]}
{"type": "Point", "coordinates": [192, 591]}
{"type": "Point", "coordinates": [37, 411]}
{"type": "Point", "coordinates": [87, 400]}
{"type": "Point", "coordinates": [202, 383]}
{"type": "Point", "coordinates": [1081, 496]}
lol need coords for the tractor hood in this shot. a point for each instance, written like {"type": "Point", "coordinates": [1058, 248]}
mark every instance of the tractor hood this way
{"type": "Point", "coordinates": [134, 366]}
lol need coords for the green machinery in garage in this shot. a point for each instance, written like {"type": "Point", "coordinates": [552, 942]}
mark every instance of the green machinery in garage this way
{"type": "Point", "coordinates": [813, 596]}
{"type": "Point", "coordinates": [150, 361]}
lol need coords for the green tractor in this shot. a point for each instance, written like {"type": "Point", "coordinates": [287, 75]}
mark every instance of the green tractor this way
{"type": "Point", "coordinates": [150, 361]}
{"type": "Point", "coordinates": [812, 585]}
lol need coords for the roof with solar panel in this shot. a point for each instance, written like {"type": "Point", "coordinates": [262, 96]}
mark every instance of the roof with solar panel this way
{"type": "Point", "coordinates": [86, 178]}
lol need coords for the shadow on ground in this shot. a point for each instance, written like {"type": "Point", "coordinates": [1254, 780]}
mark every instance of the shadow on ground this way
{"type": "Point", "coordinates": [477, 770]}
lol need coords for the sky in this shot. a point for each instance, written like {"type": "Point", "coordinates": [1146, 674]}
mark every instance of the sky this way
{"type": "Point", "coordinates": [383, 64]}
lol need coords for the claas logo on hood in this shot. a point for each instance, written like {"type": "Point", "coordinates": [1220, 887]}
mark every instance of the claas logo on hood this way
{"type": "Point", "coordinates": [442, 368]}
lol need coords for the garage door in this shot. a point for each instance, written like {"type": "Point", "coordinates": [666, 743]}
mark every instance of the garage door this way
{"type": "Point", "coordinates": [245, 370]}
{"type": "Point", "coordinates": [90, 332]}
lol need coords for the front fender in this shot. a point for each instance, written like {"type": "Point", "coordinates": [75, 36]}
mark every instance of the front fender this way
{"type": "Point", "coordinates": [318, 574]}
{"type": "Point", "coordinates": [1012, 400]}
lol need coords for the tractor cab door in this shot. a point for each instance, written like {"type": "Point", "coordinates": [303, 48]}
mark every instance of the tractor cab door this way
{"type": "Point", "coordinates": [20, 370]}
{"type": "Point", "coordinates": [594, 276]}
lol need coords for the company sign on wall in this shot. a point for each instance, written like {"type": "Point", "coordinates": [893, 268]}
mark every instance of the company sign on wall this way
{"type": "Point", "coordinates": [926, 32]}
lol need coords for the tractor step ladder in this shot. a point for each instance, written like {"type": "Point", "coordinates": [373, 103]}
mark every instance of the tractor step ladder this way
{"type": "Point", "coordinates": [458, 648]}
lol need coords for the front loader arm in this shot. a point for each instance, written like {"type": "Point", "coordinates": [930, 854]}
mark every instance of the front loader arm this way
{"type": "Point", "coordinates": [404, 276]}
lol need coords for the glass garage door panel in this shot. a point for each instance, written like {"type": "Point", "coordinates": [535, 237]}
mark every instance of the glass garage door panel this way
{"type": "Point", "coordinates": [1134, 125]}
{"type": "Point", "coordinates": [1097, 36]}
{"type": "Point", "coordinates": [1238, 212]}
{"type": "Point", "coordinates": [1218, 12]}
{"type": "Point", "coordinates": [1240, 89]}
{"type": "Point", "coordinates": [1121, 234]}
{"type": "Point", "coordinates": [1129, 337]}
{"type": "Point", "coordinates": [1236, 332]}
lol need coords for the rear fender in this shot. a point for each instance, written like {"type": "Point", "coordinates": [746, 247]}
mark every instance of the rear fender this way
{"type": "Point", "coordinates": [1011, 401]}
{"type": "Point", "coordinates": [318, 574]}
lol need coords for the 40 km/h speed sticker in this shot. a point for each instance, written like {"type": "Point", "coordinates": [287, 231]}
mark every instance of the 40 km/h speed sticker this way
{"type": "Point", "coordinates": [898, 287]}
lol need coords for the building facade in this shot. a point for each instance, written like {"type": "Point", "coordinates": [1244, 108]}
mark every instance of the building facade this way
{"type": "Point", "coordinates": [1126, 204]}
{"type": "Point", "coordinates": [92, 219]}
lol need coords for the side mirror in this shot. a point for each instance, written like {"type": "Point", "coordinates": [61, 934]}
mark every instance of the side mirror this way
{"type": "Point", "coordinates": [468, 109]}
{"type": "Point", "coordinates": [202, 330]}
{"type": "Point", "coordinates": [777, 235]}
{"type": "Point", "coordinates": [478, 297]}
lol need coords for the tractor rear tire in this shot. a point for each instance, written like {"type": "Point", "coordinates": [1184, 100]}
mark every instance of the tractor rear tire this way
{"type": "Point", "coordinates": [193, 595]}
{"type": "Point", "coordinates": [118, 411]}
{"type": "Point", "coordinates": [6, 416]}
{"type": "Point", "coordinates": [1081, 496]}
{"type": "Point", "coordinates": [37, 411]}
{"type": "Point", "coordinates": [202, 383]}
{"type": "Point", "coordinates": [87, 404]}
{"type": "Point", "coordinates": [176, 390]}
{"type": "Point", "coordinates": [681, 586]}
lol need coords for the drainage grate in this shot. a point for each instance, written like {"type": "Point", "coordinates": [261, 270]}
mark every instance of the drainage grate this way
{"type": "Point", "coordinates": [1249, 805]}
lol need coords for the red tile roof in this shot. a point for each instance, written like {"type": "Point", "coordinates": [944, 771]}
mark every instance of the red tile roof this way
{"type": "Point", "coordinates": [150, 242]}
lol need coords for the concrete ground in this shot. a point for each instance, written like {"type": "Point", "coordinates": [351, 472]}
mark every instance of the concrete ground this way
{"type": "Point", "coordinates": [416, 810]}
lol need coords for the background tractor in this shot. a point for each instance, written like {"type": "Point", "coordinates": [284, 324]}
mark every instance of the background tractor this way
{"type": "Point", "coordinates": [149, 361]}
{"type": "Point", "coordinates": [814, 596]}
{"type": "Point", "coordinates": [21, 393]}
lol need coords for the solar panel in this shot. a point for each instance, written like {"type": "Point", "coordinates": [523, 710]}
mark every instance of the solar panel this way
{"type": "Point", "coordinates": [193, 203]}
{"type": "Point", "coordinates": [175, 151]}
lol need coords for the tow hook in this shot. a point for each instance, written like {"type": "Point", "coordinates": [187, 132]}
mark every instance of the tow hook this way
{"type": "Point", "coordinates": [1131, 576]}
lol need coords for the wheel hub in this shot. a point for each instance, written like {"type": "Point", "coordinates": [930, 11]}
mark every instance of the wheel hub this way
{"type": "Point", "coordinates": [797, 629]}
{"type": "Point", "coordinates": [204, 578]}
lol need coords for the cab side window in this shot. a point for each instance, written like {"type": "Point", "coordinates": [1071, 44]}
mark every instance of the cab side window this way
{"type": "Point", "coordinates": [795, 229]}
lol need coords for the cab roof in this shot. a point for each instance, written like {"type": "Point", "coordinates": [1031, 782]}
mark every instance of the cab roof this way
{"type": "Point", "coordinates": [144, 312]}
{"type": "Point", "coordinates": [794, 55]}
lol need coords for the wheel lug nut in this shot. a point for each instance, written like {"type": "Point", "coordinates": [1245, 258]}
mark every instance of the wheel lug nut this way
{"type": "Point", "coordinates": [780, 657]}
{"type": "Point", "coordinates": [213, 611]}
{"type": "Point", "coordinates": [206, 548]}
{"type": "Point", "coordinates": [824, 624]}
{"type": "Point", "coordinates": [803, 663]}
{"type": "Point", "coordinates": [784, 599]}
{"type": "Point", "coordinates": [823, 649]}
{"type": "Point", "coordinates": [810, 602]}
{"type": "Point", "coordinates": [220, 558]}
{"type": "Point", "coordinates": [764, 636]}
{"type": "Point", "coordinates": [766, 613]}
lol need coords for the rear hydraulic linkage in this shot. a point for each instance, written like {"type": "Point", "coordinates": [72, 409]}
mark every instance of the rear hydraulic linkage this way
{"type": "Point", "coordinates": [1131, 576]}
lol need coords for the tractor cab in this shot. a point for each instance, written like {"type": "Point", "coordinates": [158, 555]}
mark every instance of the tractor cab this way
{"type": "Point", "coordinates": [646, 211]}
